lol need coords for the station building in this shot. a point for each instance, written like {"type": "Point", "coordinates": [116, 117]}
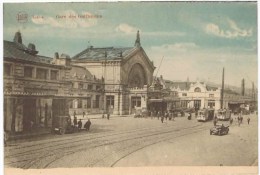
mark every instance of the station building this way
{"type": "Point", "coordinates": [127, 73]}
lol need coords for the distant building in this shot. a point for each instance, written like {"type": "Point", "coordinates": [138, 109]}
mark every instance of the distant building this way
{"type": "Point", "coordinates": [200, 95]}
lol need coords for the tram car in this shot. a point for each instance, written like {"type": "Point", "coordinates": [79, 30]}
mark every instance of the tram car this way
{"type": "Point", "coordinates": [205, 115]}
{"type": "Point", "coordinates": [223, 114]}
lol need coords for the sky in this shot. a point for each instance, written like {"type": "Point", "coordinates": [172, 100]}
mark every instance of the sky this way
{"type": "Point", "coordinates": [192, 40]}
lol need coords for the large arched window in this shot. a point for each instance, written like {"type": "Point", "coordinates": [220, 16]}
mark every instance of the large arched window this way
{"type": "Point", "coordinates": [197, 89]}
{"type": "Point", "coordinates": [137, 76]}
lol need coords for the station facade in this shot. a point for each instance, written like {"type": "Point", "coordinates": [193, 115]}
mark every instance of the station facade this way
{"type": "Point", "coordinates": [127, 73]}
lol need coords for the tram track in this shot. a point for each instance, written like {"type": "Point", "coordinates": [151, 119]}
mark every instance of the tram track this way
{"type": "Point", "coordinates": [60, 141]}
{"type": "Point", "coordinates": [44, 156]}
{"type": "Point", "coordinates": [57, 157]}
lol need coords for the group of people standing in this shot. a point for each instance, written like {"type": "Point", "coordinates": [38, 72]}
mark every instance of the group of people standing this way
{"type": "Point", "coordinates": [107, 114]}
{"type": "Point", "coordinates": [78, 123]}
{"type": "Point", "coordinates": [239, 120]}
{"type": "Point", "coordinates": [162, 115]}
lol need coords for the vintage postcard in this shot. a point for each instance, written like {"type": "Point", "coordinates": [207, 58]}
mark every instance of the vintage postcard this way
{"type": "Point", "coordinates": [143, 87]}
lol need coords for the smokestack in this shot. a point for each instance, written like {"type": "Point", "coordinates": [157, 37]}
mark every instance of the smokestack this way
{"type": "Point", "coordinates": [222, 89]}
{"type": "Point", "coordinates": [18, 38]}
{"type": "Point", "coordinates": [243, 87]}
{"type": "Point", "coordinates": [253, 90]}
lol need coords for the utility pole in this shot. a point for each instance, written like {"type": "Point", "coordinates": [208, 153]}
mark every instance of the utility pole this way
{"type": "Point", "coordinates": [104, 103]}
{"type": "Point", "coordinates": [253, 91]}
{"type": "Point", "coordinates": [243, 87]}
{"type": "Point", "coordinates": [222, 89]}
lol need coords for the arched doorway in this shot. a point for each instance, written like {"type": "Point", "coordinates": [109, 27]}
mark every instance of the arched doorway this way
{"type": "Point", "coordinates": [137, 76]}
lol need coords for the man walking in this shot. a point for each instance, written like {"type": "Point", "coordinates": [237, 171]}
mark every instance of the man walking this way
{"type": "Point", "coordinates": [87, 125]}
{"type": "Point", "coordinates": [248, 120]}
{"type": "Point", "coordinates": [79, 124]}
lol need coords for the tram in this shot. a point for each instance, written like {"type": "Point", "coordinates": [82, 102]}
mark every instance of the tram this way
{"type": "Point", "coordinates": [223, 114]}
{"type": "Point", "coordinates": [205, 115]}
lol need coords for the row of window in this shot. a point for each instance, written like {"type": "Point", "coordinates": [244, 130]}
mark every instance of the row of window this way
{"type": "Point", "coordinates": [210, 95]}
{"type": "Point", "coordinates": [43, 74]}
{"type": "Point", "coordinates": [80, 85]}
{"type": "Point", "coordinates": [28, 72]}
{"type": "Point", "coordinates": [79, 103]}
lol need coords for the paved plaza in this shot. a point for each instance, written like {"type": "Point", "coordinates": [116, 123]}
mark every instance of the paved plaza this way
{"type": "Point", "coordinates": [129, 141]}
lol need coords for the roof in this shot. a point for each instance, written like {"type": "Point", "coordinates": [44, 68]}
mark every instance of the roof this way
{"type": "Point", "coordinates": [181, 85]}
{"type": "Point", "coordinates": [111, 53]}
{"type": "Point", "coordinates": [21, 52]}
{"type": "Point", "coordinates": [81, 72]}
{"type": "Point", "coordinates": [184, 85]}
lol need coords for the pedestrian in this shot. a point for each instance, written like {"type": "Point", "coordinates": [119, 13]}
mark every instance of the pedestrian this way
{"type": "Point", "coordinates": [162, 118]}
{"type": "Point", "coordinates": [5, 138]}
{"type": "Point", "coordinates": [75, 121]}
{"type": "Point", "coordinates": [238, 120]}
{"type": "Point", "coordinates": [83, 114]}
{"type": "Point", "coordinates": [108, 114]}
{"type": "Point", "coordinates": [79, 124]}
{"type": "Point", "coordinates": [231, 120]}
{"type": "Point", "coordinates": [158, 115]}
{"type": "Point", "coordinates": [215, 122]}
{"type": "Point", "coordinates": [31, 125]}
{"type": "Point", "coordinates": [248, 120]}
{"type": "Point", "coordinates": [189, 116]}
{"type": "Point", "coordinates": [166, 115]}
{"type": "Point", "coordinates": [87, 125]}
{"type": "Point", "coordinates": [74, 114]}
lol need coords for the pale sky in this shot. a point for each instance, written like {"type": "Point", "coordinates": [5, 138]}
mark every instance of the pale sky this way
{"type": "Point", "coordinates": [195, 39]}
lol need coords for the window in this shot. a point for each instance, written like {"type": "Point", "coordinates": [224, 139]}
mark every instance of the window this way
{"type": "Point", "coordinates": [197, 104]}
{"type": "Point", "coordinates": [54, 75]}
{"type": "Point", "coordinates": [80, 85]}
{"type": "Point", "coordinates": [110, 101]}
{"type": "Point", "coordinates": [28, 72]}
{"type": "Point", "coordinates": [79, 103]}
{"type": "Point", "coordinates": [136, 102]}
{"type": "Point", "coordinates": [7, 69]}
{"type": "Point", "coordinates": [41, 74]}
{"type": "Point", "coordinates": [71, 104]}
{"type": "Point", "coordinates": [197, 89]}
{"type": "Point", "coordinates": [90, 87]}
{"type": "Point", "coordinates": [97, 101]}
{"type": "Point", "coordinates": [184, 104]}
{"type": "Point", "coordinates": [97, 87]}
{"type": "Point", "coordinates": [88, 102]}
{"type": "Point", "coordinates": [211, 95]}
{"type": "Point", "coordinates": [184, 94]}
{"type": "Point", "coordinates": [211, 104]}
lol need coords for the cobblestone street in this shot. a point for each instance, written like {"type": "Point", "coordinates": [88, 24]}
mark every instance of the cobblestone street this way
{"type": "Point", "coordinates": [128, 141]}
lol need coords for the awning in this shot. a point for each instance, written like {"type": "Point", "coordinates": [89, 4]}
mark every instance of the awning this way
{"type": "Point", "coordinates": [236, 102]}
{"type": "Point", "coordinates": [155, 100]}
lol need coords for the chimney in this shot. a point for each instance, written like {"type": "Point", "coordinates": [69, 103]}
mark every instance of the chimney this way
{"type": "Point", "coordinates": [56, 55]}
{"type": "Point", "coordinates": [31, 46]}
{"type": "Point", "coordinates": [32, 49]}
{"type": "Point", "coordinates": [18, 38]}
